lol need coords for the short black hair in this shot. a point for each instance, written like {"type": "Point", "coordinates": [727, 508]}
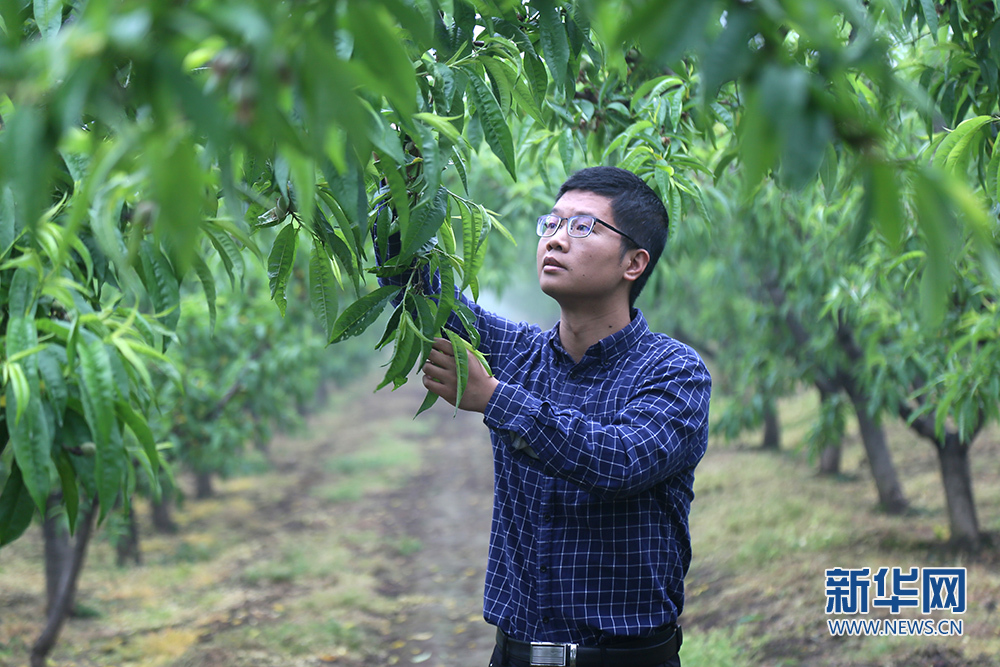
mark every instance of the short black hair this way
{"type": "Point", "coordinates": [638, 211]}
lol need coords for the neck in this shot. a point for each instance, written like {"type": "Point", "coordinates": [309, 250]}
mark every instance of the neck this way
{"type": "Point", "coordinates": [581, 328]}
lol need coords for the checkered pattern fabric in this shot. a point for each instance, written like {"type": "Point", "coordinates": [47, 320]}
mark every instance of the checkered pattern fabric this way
{"type": "Point", "coordinates": [594, 466]}
{"type": "Point", "coordinates": [594, 472]}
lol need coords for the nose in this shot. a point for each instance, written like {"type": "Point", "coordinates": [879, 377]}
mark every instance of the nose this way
{"type": "Point", "coordinates": [558, 240]}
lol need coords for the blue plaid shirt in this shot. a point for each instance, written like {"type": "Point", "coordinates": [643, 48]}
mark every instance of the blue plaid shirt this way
{"type": "Point", "coordinates": [594, 468]}
{"type": "Point", "coordinates": [594, 472]}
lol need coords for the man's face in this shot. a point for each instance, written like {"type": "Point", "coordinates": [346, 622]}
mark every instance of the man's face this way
{"type": "Point", "coordinates": [576, 269]}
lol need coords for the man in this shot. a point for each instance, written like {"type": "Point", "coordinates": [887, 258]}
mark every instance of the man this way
{"type": "Point", "coordinates": [597, 426]}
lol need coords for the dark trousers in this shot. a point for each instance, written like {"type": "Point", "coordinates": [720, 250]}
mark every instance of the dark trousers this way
{"type": "Point", "coordinates": [497, 660]}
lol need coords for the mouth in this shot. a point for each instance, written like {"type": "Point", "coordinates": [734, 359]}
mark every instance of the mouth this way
{"type": "Point", "coordinates": [550, 263]}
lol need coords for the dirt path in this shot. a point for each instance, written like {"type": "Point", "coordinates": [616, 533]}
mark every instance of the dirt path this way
{"type": "Point", "coordinates": [446, 508]}
{"type": "Point", "coordinates": [345, 551]}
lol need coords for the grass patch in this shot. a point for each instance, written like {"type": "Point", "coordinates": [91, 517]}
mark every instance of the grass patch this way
{"type": "Point", "coordinates": [308, 636]}
{"type": "Point", "coordinates": [714, 649]}
{"type": "Point", "coordinates": [765, 527]}
{"type": "Point", "coordinates": [376, 466]}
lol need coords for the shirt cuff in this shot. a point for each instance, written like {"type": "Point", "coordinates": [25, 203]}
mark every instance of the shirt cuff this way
{"type": "Point", "coordinates": [512, 409]}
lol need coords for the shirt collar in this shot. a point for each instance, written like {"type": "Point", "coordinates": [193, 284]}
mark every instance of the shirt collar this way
{"type": "Point", "coordinates": [610, 348]}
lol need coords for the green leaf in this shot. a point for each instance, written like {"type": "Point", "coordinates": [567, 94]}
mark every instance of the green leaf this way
{"type": "Point", "coordinates": [474, 241]}
{"type": "Point", "coordinates": [384, 138]}
{"type": "Point", "coordinates": [359, 315]}
{"type": "Point", "coordinates": [555, 46]}
{"type": "Point", "coordinates": [883, 202]}
{"type": "Point", "coordinates": [936, 223]}
{"type": "Point", "coordinates": [442, 125]}
{"type": "Point", "coordinates": [280, 262]}
{"type": "Point", "coordinates": [953, 151]}
{"type": "Point", "coordinates": [426, 218]}
{"type": "Point", "coordinates": [507, 78]}
{"type": "Point", "coordinates": [27, 146]}
{"type": "Point", "coordinates": [31, 438]}
{"type": "Point", "coordinates": [207, 281]}
{"type": "Point", "coordinates": [428, 401]}
{"type": "Point", "coordinates": [20, 332]}
{"type": "Point", "coordinates": [50, 362]}
{"type": "Point", "coordinates": [447, 298]}
{"type": "Point", "coordinates": [137, 423]}
{"type": "Point", "coordinates": [495, 128]}
{"type": "Point", "coordinates": [430, 153]}
{"type": "Point", "coordinates": [992, 182]}
{"type": "Point", "coordinates": [323, 290]}
{"type": "Point", "coordinates": [8, 219]}
{"type": "Point", "coordinates": [469, 236]}
{"type": "Point", "coordinates": [460, 348]}
{"type": "Point", "coordinates": [390, 327]}
{"type": "Point", "coordinates": [403, 356]}
{"type": "Point", "coordinates": [538, 80]}
{"type": "Point", "coordinates": [178, 180]}
{"type": "Point", "coordinates": [22, 297]}
{"type": "Point", "coordinates": [97, 390]}
{"type": "Point", "coordinates": [16, 507]}
{"type": "Point", "coordinates": [929, 9]}
{"type": "Point", "coordinates": [348, 190]}
{"type": "Point", "coordinates": [125, 349]}
{"type": "Point", "coordinates": [566, 149]}
{"type": "Point", "coordinates": [664, 29]}
{"type": "Point", "coordinates": [70, 488]}
{"type": "Point", "coordinates": [48, 16]}
{"type": "Point", "coordinates": [334, 240]}
{"type": "Point", "coordinates": [229, 252]}
{"type": "Point", "coordinates": [399, 194]}
{"type": "Point", "coordinates": [303, 174]}
{"type": "Point", "coordinates": [380, 48]}
{"type": "Point", "coordinates": [730, 55]}
{"type": "Point", "coordinates": [161, 285]}
{"type": "Point", "coordinates": [425, 309]}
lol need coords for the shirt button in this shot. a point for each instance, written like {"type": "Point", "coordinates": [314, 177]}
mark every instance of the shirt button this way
{"type": "Point", "coordinates": [546, 619]}
{"type": "Point", "coordinates": [544, 569]}
{"type": "Point", "coordinates": [547, 517]}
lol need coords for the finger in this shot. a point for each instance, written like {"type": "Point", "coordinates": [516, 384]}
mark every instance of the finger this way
{"type": "Point", "coordinates": [434, 372]}
{"type": "Point", "coordinates": [442, 359]}
{"type": "Point", "coordinates": [442, 389]}
{"type": "Point", "coordinates": [444, 346]}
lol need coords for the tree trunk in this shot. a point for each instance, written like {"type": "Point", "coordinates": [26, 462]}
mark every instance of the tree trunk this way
{"type": "Point", "coordinates": [58, 549]}
{"type": "Point", "coordinates": [163, 521]}
{"type": "Point", "coordinates": [890, 491]}
{"type": "Point", "coordinates": [203, 485]}
{"type": "Point", "coordinates": [127, 543]}
{"type": "Point", "coordinates": [831, 441]}
{"type": "Point", "coordinates": [62, 602]}
{"type": "Point", "coordinates": [962, 520]}
{"type": "Point", "coordinates": [772, 427]}
{"type": "Point", "coordinates": [829, 459]}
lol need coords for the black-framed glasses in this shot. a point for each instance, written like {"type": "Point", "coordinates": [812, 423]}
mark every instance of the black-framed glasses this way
{"type": "Point", "coordinates": [577, 226]}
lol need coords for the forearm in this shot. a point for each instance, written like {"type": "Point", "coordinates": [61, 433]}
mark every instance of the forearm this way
{"type": "Point", "coordinates": [644, 444]}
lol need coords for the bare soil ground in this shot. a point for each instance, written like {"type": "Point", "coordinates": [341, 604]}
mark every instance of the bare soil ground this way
{"type": "Point", "coordinates": [371, 524]}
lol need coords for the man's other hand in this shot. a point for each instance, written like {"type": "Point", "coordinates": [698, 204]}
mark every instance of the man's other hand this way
{"type": "Point", "coordinates": [441, 377]}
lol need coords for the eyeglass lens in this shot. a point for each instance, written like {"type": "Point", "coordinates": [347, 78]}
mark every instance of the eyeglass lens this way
{"type": "Point", "coordinates": [578, 226]}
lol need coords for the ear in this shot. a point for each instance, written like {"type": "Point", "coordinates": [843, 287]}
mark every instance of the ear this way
{"type": "Point", "coordinates": [636, 262]}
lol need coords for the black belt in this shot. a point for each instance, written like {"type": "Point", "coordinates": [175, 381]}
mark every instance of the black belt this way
{"type": "Point", "coordinates": [635, 653]}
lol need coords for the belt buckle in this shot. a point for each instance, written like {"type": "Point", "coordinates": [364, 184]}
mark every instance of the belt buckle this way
{"type": "Point", "coordinates": [548, 654]}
